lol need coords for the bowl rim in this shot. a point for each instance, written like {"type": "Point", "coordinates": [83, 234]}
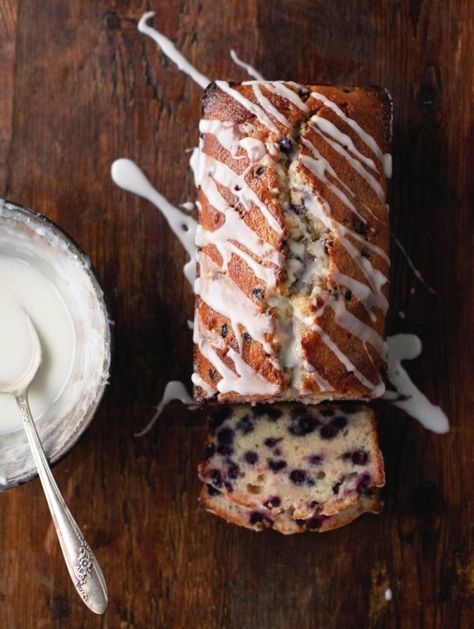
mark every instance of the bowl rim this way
{"type": "Point", "coordinates": [80, 426]}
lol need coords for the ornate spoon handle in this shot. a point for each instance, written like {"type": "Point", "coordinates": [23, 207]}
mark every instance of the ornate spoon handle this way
{"type": "Point", "coordinates": [83, 567]}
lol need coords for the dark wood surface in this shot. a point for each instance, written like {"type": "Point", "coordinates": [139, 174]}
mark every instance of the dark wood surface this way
{"type": "Point", "coordinates": [81, 87]}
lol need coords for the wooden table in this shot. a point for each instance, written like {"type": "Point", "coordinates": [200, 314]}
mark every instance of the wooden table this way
{"type": "Point", "coordinates": [81, 87]}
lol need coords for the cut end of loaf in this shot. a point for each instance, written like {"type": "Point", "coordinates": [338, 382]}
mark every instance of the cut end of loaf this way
{"type": "Point", "coordinates": [291, 467]}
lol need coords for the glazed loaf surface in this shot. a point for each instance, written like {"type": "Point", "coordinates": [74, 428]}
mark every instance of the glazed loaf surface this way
{"type": "Point", "coordinates": [304, 461]}
{"type": "Point", "coordinates": [292, 269]}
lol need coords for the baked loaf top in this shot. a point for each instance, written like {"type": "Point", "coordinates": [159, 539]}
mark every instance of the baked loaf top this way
{"type": "Point", "coordinates": [216, 502]}
{"type": "Point", "coordinates": [293, 242]}
{"type": "Point", "coordinates": [306, 461]}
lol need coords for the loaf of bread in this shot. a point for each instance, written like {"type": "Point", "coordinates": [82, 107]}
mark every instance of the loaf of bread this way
{"type": "Point", "coordinates": [292, 268]}
{"type": "Point", "coordinates": [303, 461]}
{"type": "Point", "coordinates": [258, 520]}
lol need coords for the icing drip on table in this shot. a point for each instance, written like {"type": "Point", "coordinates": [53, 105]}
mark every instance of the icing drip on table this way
{"type": "Point", "coordinates": [407, 395]}
{"type": "Point", "coordinates": [170, 50]}
{"type": "Point", "coordinates": [246, 66]}
{"type": "Point", "coordinates": [234, 237]}
{"type": "Point", "coordinates": [174, 391]}
{"type": "Point", "coordinates": [127, 175]}
{"type": "Point", "coordinates": [412, 266]}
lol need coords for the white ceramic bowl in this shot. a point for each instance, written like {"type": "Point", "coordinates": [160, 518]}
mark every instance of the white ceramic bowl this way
{"type": "Point", "coordinates": [38, 241]}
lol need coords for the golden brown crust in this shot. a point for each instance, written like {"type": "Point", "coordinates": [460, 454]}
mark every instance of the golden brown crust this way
{"type": "Point", "coordinates": [221, 506]}
{"type": "Point", "coordinates": [370, 108]}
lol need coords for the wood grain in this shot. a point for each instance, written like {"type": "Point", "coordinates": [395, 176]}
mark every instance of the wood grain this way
{"type": "Point", "coordinates": [81, 87]}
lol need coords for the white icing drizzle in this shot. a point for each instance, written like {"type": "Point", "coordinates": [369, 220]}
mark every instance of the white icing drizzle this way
{"type": "Point", "coordinates": [412, 266]}
{"type": "Point", "coordinates": [244, 380]}
{"type": "Point", "coordinates": [219, 292]}
{"type": "Point", "coordinates": [227, 133]}
{"type": "Point", "coordinates": [325, 129]}
{"type": "Point", "coordinates": [368, 140]}
{"type": "Point", "coordinates": [407, 347]}
{"type": "Point", "coordinates": [318, 167]}
{"type": "Point", "coordinates": [237, 184]}
{"type": "Point", "coordinates": [367, 296]}
{"type": "Point", "coordinates": [376, 278]}
{"type": "Point", "coordinates": [254, 109]}
{"type": "Point", "coordinates": [327, 166]}
{"type": "Point", "coordinates": [357, 328]}
{"type": "Point", "coordinates": [196, 163]}
{"type": "Point", "coordinates": [269, 107]}
{"type": "Point", "coordinates": [202, 384]}
{"type": "Point", "coordinates": [322, 383]}
{"type": "Point", "coordinates": [174, 390]}
{"type": "Point", "coordinates": [127, 175]}
{"type": "Point", "coordinates": [280, 89]}
{"type": "Point", "coordinates": [188, 206]}
{"type": "Point", "coordinates": [246, 66]}
{"type": "Point", "coordinates": [342, 139]}
{"type": "Point", "coordinates": [401, 346]}
{"type": "Point", "coordinates": [254, 148]}
{"type": "Point", "coordinates": [170, 50]}
{"type": "Point", "coordinates": [378, 389]}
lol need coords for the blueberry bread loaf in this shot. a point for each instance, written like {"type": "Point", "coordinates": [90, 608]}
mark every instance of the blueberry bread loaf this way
{"type": "Point", "coordinates": [217, 503]}
{"type": "Point", "coordinates": [293, 241]}
{"type": "Point", "coordinates": [305, 461]}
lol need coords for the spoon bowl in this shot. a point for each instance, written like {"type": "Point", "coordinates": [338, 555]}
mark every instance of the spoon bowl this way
{"type": "Point", "coordinates": [21, 383]}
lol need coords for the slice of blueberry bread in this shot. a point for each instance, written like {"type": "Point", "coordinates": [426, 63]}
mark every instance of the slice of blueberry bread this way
{"type": "Point", "coordinates": [305, 460]}
{"type": "Point", "coordinates": [257, 520]}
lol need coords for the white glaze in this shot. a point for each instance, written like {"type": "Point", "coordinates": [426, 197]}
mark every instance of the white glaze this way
{"type": "Point", "coordinates": [42, 247]}
{"type": "Point", "coordinates": [246, 66]}
{"type": "Point", "coordinates": [16, 343]}
{"type": "Point", "coordinates": [226, 133]}
{"type": "Point", "coordinates": [368, 140]}
{"type": "Point", "coordinates": [174, 391]}
{"type": "Point", "coordinates": [35, 294]}
{"type": "Point", "coordinates": [268, 106]}
{"type": "Point", "coordinates": [388, 594]}
{"type": "Point", "coordinates": [128, 176]}
{"type": "Point", "coordinates": [376, 278]}
{"type": "Point", "coordinates": [224, 175]}
{"type": "Point", "coordinates": [170, 50]}
{"type": "Point", "coordinates": [280, 89]}
{"type": "Point", "coordinates": [254, 109]}
{"type": "Point", "coordinates": [365, 333]}
{"type": "Point", "coordinates": [254, 148]}
{"type": "Point", "coordinates": [220, 293]}
{"type": "Point", "coordinates": [370, 294]}
{"type": "Point", "coordinates": [327, 130]}
{"type": "Point", "coordinates": [407, 347]}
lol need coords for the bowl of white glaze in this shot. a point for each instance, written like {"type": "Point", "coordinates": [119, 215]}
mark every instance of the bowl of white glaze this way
{"type": "Point", "coordinates": [76, 348]}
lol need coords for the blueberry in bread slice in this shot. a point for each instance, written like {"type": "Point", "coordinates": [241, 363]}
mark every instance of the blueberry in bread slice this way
{"type": "Point", "coordinates": [303, 461]}
{"type": "Point", "coordinates": [217, 503]}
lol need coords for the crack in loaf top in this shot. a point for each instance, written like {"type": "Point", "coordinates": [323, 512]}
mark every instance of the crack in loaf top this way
{"type": "Point", "coordinates": [293, 264]}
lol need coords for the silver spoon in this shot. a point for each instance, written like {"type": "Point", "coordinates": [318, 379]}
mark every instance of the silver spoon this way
{"type": "Point", "coordinates": [83, 567]}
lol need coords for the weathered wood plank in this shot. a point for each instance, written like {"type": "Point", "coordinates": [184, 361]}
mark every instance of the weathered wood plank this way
{"type": "Point", "coordinates": [80, 87]}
